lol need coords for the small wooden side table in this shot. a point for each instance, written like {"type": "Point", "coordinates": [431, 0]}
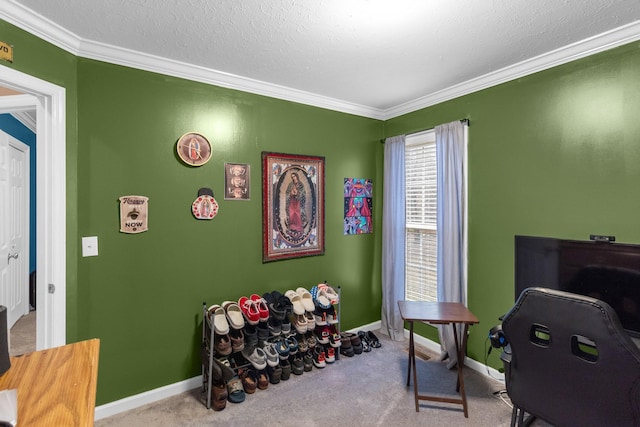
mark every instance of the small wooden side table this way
{"type": "Point", "coordinates": [438, 313]}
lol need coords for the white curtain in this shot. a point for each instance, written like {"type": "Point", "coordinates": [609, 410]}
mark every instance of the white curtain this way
{"type": "Point", "coordinates": [451, 154]}
{"type": "Point", "coordinates": [393, 237]}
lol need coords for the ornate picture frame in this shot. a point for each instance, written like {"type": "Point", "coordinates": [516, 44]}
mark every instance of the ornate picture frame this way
{"type": "Point", "coordinates": [292, 206]}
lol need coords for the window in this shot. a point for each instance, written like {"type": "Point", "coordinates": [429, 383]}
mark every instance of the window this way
{"type": "Point", "coordinates": [421, 216]}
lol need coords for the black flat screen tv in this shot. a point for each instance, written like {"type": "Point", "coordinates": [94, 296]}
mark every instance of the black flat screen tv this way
{"type": "Point", "coordinates": [607, 271]}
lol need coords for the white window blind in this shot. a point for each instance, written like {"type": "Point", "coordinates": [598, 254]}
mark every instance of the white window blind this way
{"type": "Point", "coordinates": [421, 211]}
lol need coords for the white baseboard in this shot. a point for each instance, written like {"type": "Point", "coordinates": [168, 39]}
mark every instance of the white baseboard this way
{"type": "Point", "coordinates": [481, 368]}
{"type": "Point", "coordinates": [135, 401]}
{"type": "Point", "coordinates": [151, 396]}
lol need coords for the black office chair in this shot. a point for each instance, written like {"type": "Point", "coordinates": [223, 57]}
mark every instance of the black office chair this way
{"type": "Point", "coordinates": [571, 362]}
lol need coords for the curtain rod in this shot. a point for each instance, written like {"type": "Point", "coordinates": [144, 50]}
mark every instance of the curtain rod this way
{"type": "Point", "coordinates": [463, 121]}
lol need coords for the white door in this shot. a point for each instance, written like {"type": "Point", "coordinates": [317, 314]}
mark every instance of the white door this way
{"type": "Point", "coordinates": [14, 233]}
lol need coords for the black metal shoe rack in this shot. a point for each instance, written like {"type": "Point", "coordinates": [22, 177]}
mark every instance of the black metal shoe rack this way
{"type": "Point", "coordinates": [207, 352]}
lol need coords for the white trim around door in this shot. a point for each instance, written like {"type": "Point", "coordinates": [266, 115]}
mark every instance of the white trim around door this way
{"type": "Point", "coordinates": [49, 100]}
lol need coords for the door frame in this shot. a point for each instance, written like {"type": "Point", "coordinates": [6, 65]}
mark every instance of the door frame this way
{"type": "Point", "coordinates": [49, 100]}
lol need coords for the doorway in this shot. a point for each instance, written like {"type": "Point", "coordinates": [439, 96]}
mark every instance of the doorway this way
{"type": "Point", "coordinates": [48, 100]}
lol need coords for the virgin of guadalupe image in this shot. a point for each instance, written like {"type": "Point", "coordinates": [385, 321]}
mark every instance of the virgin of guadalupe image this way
{"type": "Point", "coordinates": [296, 199]}
{"type": "Point", "coordinates": [294, 206]}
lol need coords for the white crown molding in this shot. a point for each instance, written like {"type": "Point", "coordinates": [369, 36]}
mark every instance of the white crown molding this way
{"type": "Point", "coordinates": [41, 27]}
{"type": "Point", "coordinates": [601, 42]}
{"type": "Point", "coordinates": [156, 64]}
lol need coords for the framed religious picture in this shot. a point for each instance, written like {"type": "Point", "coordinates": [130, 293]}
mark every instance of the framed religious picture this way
{"type": "Point", "coordinates": [292, 206]}
{"type": "Point", "coordinates": [236, 181]}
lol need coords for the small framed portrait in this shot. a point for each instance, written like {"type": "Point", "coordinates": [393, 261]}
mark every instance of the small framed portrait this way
{"type": "Point", "coordinates": [236, 181]}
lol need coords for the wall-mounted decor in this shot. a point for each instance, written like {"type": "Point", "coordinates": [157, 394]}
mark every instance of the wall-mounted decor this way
{"type": "Point", "coordinates": [194, 149]}
{"type": "Point", "coordinates": [205, 206]}
{"type": "Point", "coordinates": [134, 214]}
{"type": "Point", "coordinates": [358, 204]}
{"type": "Point", "coordinates": [236, 181]}
{"type": "Point", "coordinates": [292, 206]}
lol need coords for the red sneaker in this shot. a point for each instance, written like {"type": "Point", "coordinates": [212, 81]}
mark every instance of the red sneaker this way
{"type": "Point", "coordinates": [261, 304]}
{"type": "Point", "coordinates": [250, 310]}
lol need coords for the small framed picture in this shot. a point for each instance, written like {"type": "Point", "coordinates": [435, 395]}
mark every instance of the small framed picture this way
{"type": "Point", "coordinates": [236, 181]}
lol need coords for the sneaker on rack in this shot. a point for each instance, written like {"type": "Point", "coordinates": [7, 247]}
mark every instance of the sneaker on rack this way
{"type": "Point", "coordinates": [297, 364]}
{"type": "Point", "coordinates": [311, 320]}
{"type": "Point", "coordinates": [249, 380]}
{"type": "Point", "coordinates": [330, 355]}
{"type": "Point", "coordinates": [222, 345]}
{"type": "Point", "coordinates": [286, 369]}
{"type": "Point", "coordinates": [249, 310]}
{"type": "Point", "coordinates": [273, 358]}
{"type": "Point", "coordinates": [275, 374]}
{"type": "Point", "coordinates": [334, 337]}
{"type": "Point", "coordinates": [299, 322]}
{"type": "Point", "coordinates": [311, 339]}
{"type": "Point", "coordinates": [322, 334]}
{"type": "Point", "coordinates": [276, 310]}
{"type": "Point", "coordinates": [319, 298]}
{"type": "Point", "coordinates": [263, 332]}
{"type": "Point", "coordinates": [275, 327]}
{"type": "Point", "coordinates": [250, 335]}
{"type": "Point", "coordinates": [307, 360]}
{"type": "Point", "coordinates": [319, 357]}
{"type": "Point", "coordinates": [285, 328]}
{"type": "Point", "coordinates": [282, 304]}
{"type": "Point", "coordinates": [263, 379]}
{"type": "Point", "coordinates": [293, 344]}
{"type": "Point", "coordinates": [303, 346]}
{"type": "Point", "coordinates": [282, 347]}
{"type": "Point", "coordinates": [320, 316]}
{"type": "Point", "coordinates": [306, 298]}
{"type": "Point", "coordinates": [328, 292]}
{"type": "Point", "coordinates": [261, 305]}
{"type": "Point", "coordinates": [237, 340]}
{"type": "Point", "coordinates": [332, 316]}
{"type": "Point", "coordinates": [256, 356]}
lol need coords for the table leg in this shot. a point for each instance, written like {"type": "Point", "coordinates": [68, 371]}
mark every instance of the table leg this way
{"type": "Point", "coordinates": [460, 351]}
{"type": "Point", "coordinates": [412, 366]}
{"type": "Point", "coordinates": [409, 365]}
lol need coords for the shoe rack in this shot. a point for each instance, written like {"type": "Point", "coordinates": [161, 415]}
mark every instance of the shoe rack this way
{"type": "Point", "coordinates": [207, 352]}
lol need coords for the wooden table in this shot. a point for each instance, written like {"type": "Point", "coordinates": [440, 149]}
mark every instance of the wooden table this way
{"type": "Point", "coordinates": [438, 313]}
{"type": "Point", "coordinates": [57, 386]}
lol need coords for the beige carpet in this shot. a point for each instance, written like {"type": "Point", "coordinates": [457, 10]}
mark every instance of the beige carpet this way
{"type": "Point", "coordinates": [23, 335]}
{"type": "Point", "coordinates": [365, 390]}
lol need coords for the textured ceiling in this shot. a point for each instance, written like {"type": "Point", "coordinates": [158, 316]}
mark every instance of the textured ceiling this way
{"type": "Point", "coordinates": [373, 53]}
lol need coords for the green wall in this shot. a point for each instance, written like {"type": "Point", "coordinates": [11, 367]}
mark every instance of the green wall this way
{"type": "Point", "coordinates": [556, 154]}
{"type": "Point", "coordinates": [142, 296]}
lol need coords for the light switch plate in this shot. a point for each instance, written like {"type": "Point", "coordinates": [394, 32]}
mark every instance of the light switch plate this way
{"type": "Point", "coordinates": [90, 246]}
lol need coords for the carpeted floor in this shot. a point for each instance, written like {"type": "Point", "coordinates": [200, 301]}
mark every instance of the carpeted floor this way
{"type": "Point", "coordinates": [365, 390]}
{"type": "Point", "coordinates": [22, 338]}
